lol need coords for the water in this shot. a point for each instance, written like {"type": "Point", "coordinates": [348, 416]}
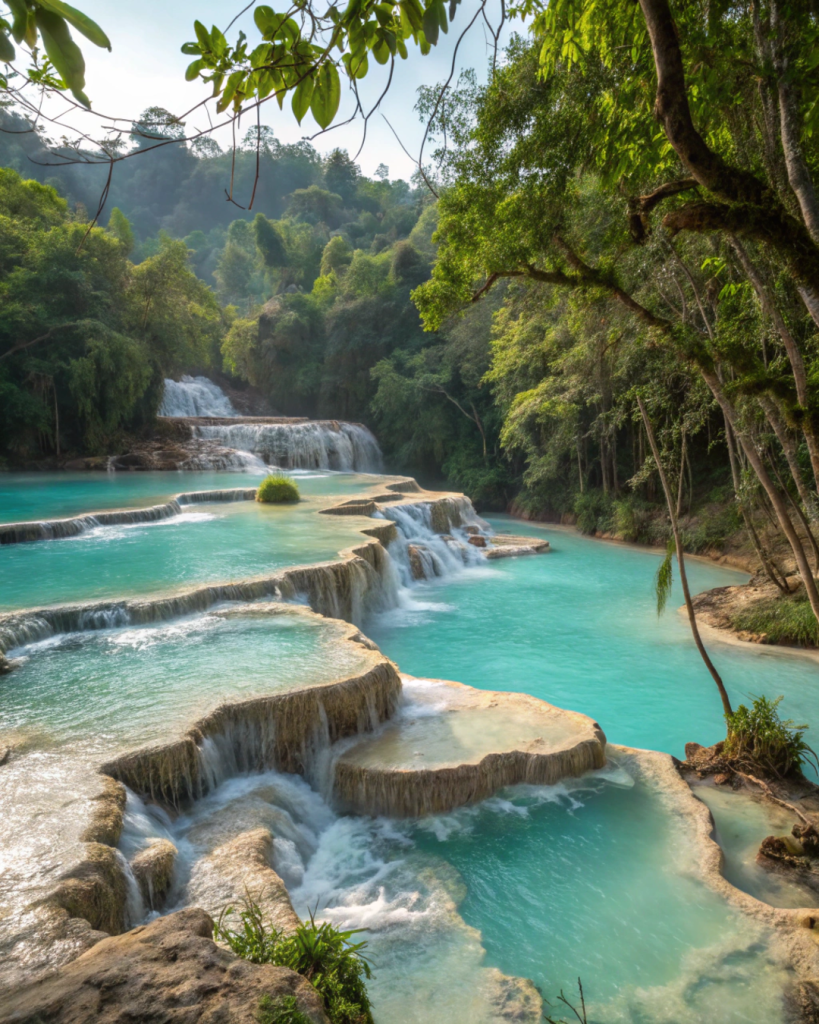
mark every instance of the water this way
{"type": "Point", "coordinates": [742, 821]}
{"type": "Point", "coordinates": [324, 444]}
{"type": "Point", "coordinates": [35, 496]}
{"type": "Point", "coordinates": [597, 878]}
{"type": "Point", "coordinates": [578, 627]}
{"type": "Point", "coordinates": [80, 699]}
{"type": "Point", "coordinates": [206, 543]}
{"type": "Point", "coordinates": [121, 688]}
{"type": "Point", "coordinates": [195, 396]}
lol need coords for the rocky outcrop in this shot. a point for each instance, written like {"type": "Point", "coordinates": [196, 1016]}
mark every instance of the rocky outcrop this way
{"type": "Point", "coordinates": [167, 971]}
{"type": "Point", "coordinates": [105, 825]}
{"type": "Point", "coordinates": [95, 889]}
{"type": "Point", "coordinates": [510, 545]}
{"type": "Point", "coordinates": [153, 870]}
{"type": "Point", "coordinates": [237, 867]}
{"type": "Point", "coordinates": [452, 745]}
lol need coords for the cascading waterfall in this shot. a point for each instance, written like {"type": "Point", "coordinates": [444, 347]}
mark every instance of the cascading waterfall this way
{"type": "Point", "coordinates": [318, 444]}
{"type": "Point", "coordinates": [195, 396]}
{"type": "Point", "coordinates": [321, 444]}
{"type": "Point", "coordinates": [422, 550]}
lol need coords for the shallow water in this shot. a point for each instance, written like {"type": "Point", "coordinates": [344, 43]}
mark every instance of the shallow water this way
{"type": "Point", "coordinates": [79, 699]}
{"type": "Point", "coordinates": [35, 496]}
{"type": "Point", "coordinates": [741, 822]}
{"type": "Point", "coordinates": [120, 688]}
{"type": "Point", "coordinates": [578, 627]}
{"type": "Point", "coordinates": [597, 878]}
{"type": "Point", "coordinates": [213, 543]}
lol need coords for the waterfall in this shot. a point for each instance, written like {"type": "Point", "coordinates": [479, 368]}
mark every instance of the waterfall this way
{"type": "Point", "coordinates": [421, 551]}
{"type": "Point", "coordinates": [320, 444]}
{"type": "Point", "coordinates": [195, 396]}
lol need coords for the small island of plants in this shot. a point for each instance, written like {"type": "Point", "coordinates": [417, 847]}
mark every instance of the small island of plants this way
{"type": "Point", "coordinates": [277, 489]}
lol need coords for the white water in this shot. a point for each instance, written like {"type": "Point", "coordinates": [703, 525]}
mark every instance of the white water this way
{"type": "Point", "coordinates": [348, 447]}
{"type": "Point", "coordinates": [195, 396]}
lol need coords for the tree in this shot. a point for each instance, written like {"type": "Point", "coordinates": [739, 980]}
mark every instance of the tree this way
{"type": "Point", "coordinates": [120, 227]}
{"type": "Point", "coordinates": [269, 242]}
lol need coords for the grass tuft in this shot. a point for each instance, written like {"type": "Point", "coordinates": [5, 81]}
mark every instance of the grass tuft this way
{"type": "Point", "coordinates": [277, 490]}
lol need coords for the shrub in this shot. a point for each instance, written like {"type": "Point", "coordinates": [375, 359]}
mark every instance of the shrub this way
{"type": "Point", "coordinates": [759, 738]}
{"type": "Point", "coordinates": [594, 512]}
{"type": "Point", "coordinates": [277, 490]}
{"type": "Point", "coordinates": [782, 620]}
{"type": "Point", "coordinates": [325, 956]}
{"type": "Point", "coordinates": [633, 519]}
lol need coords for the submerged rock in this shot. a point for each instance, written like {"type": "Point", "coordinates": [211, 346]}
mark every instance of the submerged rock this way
{"type": "Point", "coordinates": [169, 970]}
{"type": "Point", "coordinates": [153, 870]}
{"type": "Point", "coordinates": [451, 745]}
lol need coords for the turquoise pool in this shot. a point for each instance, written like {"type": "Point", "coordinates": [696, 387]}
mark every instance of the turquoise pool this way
{"type": "Point", "coordinates": [578, 627]}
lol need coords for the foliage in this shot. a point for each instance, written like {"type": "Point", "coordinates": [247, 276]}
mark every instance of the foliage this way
{"type": "Point", "coordinates": [46, 23]}
{"type": "Point", "coordinates": [277, 490]}
{"type": "Point", "coordinates": [306, 58]}
{"type": "Point", "coordinates": [758, 737]}
{"type": "Point", "coordinates": [324, 955]}
{"type": "Point", "coordinates": [781, 620]}
{"type": "Point", "coordinates": [594, 511]}
{"type": "Point", "coordinates": [282, 1011]}
{"type": "Point", "coordinates": [664, 579]}
{"type": "Point", "coordinates": [85, 336]}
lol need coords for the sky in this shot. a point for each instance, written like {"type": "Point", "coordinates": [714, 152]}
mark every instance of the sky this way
{"type": "Point", "coordinates": [146, 68]}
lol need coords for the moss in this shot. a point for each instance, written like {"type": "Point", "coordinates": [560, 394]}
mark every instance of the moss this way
{"type": "Point", "coordinates": [277, 490]}
{"type": "Point", "coordinates": [780, 620]}
{"type": "Point", "coordinates": [95, 890]}
{"type": "Point", "coordinates": [107, 810]}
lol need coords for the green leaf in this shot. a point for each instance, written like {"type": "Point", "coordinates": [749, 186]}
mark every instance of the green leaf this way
{"type": "Point", "coordinates": [63, 52]}
{"type": "Point", "coordinates": [193, 70]}
{"type": "Point", "coordinates": [6, 49]}
{"type": "Point", "coordinates": [381, 51]}
{"type": "Point", "coordinates": [431, 24]}
{"type": "Point", "coordinates": [20, 13]}
{"type": "Point", "coordinates": [81, 22]}
{"type": "Point", "coordinates": [191, 49]}
{"type": "Point", "coordinates": [202, 35]}
{"type": "Point", "coordinates": [301, 98]}
{"type": "Point", "coordinates": [326, 95]}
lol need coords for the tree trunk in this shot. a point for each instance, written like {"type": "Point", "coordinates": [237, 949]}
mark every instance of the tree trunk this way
{"type": "Point", "coordinates": [775, 497]}
{"type": "Point", "coordinates": [798, 172]}
{"type": "Point", "coordinates": [689, 604]}
{"type": "Point", "coordinates": [800, 377]}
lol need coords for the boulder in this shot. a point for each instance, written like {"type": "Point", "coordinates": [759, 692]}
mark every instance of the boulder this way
{"type": "Point", "coordinates": [240, 867]}
{"type": "Point", "coordinates": [416, 562]}
{"type": "Point", "coordinates": [168, 972]}
{"type": "Point", "coordinates": [477, 541]}
{"type": "Point", "coordinates": [153, 870]}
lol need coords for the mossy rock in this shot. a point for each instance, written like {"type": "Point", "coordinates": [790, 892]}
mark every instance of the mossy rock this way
{"type": "Point", "coordinates": [277, 490]}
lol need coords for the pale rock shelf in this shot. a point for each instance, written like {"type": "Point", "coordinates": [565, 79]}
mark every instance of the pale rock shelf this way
{"type": "Point", "coordinates": [451, 745]}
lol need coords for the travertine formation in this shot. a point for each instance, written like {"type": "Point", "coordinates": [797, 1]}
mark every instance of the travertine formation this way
{"type": "Point", "coordinates": [168, 971]}
{"type": "Point", "coordinates": [451, 745]}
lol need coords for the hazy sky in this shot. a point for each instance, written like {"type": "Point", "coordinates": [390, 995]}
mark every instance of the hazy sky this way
{"type": "Point", "coordinates": [146, 69]}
